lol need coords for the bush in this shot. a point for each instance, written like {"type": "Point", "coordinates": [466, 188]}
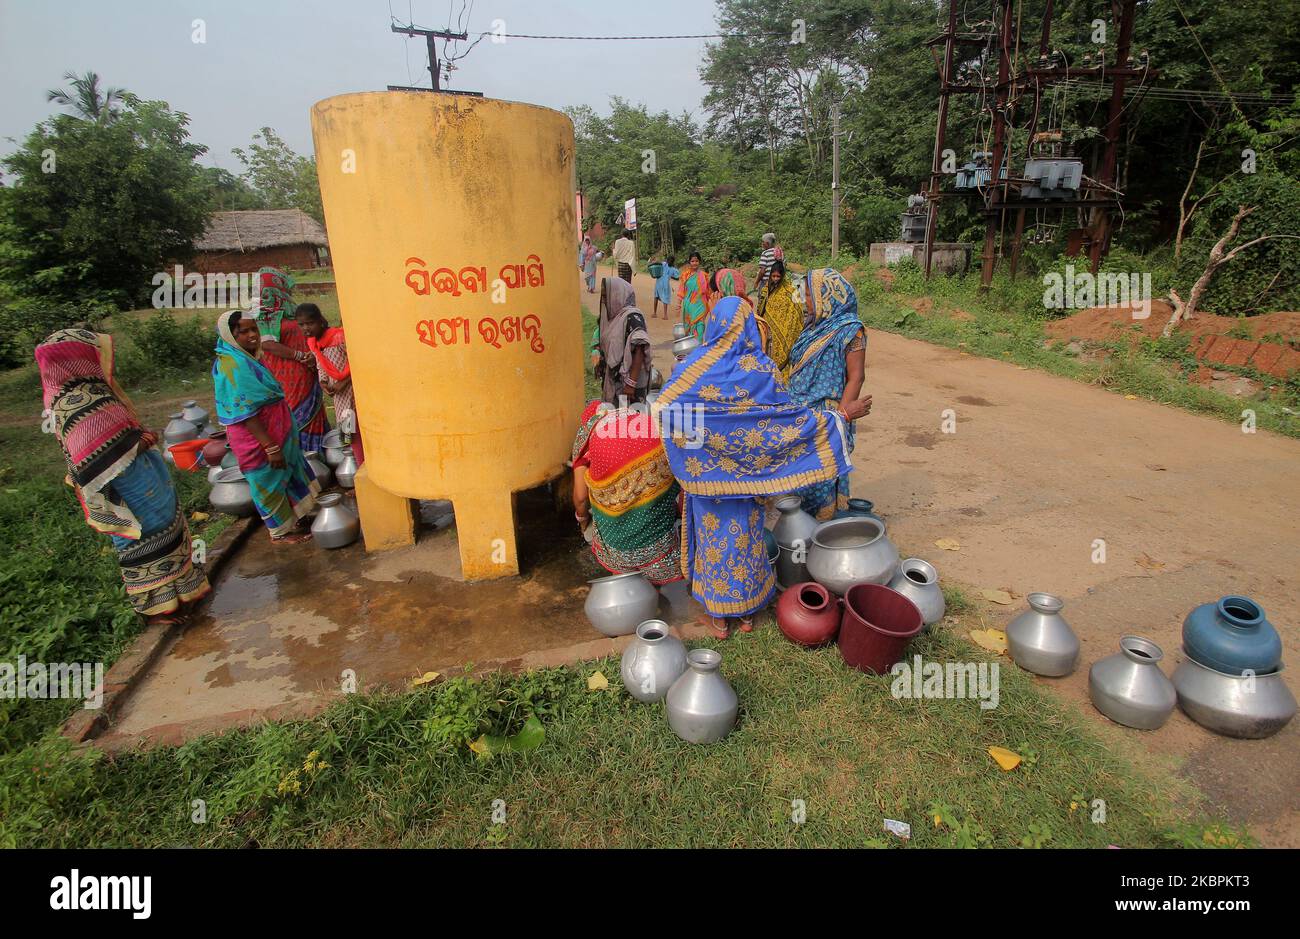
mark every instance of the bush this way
{"type": "Point", "coordinates": [158, 343]}
{"type": "Point", "coordinates": [25, 322]}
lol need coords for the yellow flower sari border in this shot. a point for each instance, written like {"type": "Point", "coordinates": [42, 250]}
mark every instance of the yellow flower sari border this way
{"type": "Point", "coordinates": [777, 486]}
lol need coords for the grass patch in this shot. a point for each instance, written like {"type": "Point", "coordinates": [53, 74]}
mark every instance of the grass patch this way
{"type": "Point", "coordinates": [394, 770]}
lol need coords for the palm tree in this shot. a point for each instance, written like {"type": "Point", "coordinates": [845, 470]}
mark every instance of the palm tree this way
{"type": "Point", "coordinates": [87, 100]}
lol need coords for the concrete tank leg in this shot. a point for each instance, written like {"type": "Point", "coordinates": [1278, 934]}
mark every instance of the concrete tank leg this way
{"type": "Point", "coordinates": [387, 520]}
{"type": "Point", "coordinates": [485, 530]}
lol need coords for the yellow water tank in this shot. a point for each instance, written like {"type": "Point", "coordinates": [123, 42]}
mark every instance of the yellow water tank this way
{"type": "Point", "coordinates": [452, 232]}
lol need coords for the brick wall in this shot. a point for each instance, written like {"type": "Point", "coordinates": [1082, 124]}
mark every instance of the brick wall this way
{"type": "Point", "coordinates": [285, 257]}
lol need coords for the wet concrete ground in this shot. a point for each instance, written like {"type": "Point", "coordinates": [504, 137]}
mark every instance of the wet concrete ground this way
{"type": "Point", "coordinates": [287, 621]}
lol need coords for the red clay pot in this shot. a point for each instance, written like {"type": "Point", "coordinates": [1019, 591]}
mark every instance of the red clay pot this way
{"type": "Point", "coordinates": [808, 614]}
{"type": "Point", "coordinates": [878, 624]}
{"type": "Point", "coordinates": [213, 451]}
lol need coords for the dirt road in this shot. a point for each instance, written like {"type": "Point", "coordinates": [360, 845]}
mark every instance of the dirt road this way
{"type": "Point", "coordinates": [1038, 471]}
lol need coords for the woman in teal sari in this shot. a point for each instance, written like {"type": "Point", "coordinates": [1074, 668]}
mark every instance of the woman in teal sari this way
{"type": "Point", "coordinates": [733, 436]}
{"type": "Point", "coordinates": [827, 369]}
{"type": "Point", "coordinates": [260, 429]}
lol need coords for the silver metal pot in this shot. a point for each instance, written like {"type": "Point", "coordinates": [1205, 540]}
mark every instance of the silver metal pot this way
{"type": "Point", "coordinates": [324, 475]}
{"type": "Point", "coordinates": [793, 531]}
{"type": "Point", "coordinates": [1250, 706]}
{"type": "Point", "coordinates": [1040, 640]}
{"type": "Point", "coordinates": [679, 330]}
{"type": "Point", "coordinates": [191, 412]}
{"type": "Point", "coordinates": [652, 661]}
{"type": "Point", "coordinates": [848, 551]}
{"type": "Point", "coordinates": [919, 582]}
{"type": "Point", "coordinates": [701, 705]}
{"type": "Point", "coordinates": [685, 345]}
{"type": "Point", "coordinates": [178, 430]}
{"type": "Point", "coordinates": [336, 524]}
{"type": "Point", "coordinates": [227, 461]}
{"type": "Point", "coordinates": [332, 448]}
{"type": "Point", "coordinates": [1130, 688]}
{"type": "Point", "coordinates": [230, 493]}
{"type": "Point", "coordinates": [617, 604]}
{"type": "Point", "coordinates": [346, 472]}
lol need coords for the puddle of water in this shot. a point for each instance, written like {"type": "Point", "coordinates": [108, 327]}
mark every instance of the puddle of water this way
{"type": "Point", "coordinates": [286, 621]}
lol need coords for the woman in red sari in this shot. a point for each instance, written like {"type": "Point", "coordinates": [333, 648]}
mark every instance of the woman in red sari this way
{"type": "Point", "coordinates": [287, 355]}
{"type": "Point", "coordinates": [330, 347]}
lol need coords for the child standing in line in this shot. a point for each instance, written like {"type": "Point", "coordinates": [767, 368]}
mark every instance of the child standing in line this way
{"type": "Point", "coordinates": [330, 348]}
{"type": "Point", "coordinates": [664, 287]}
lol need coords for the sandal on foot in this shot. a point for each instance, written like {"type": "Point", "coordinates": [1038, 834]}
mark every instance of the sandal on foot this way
{"type": "Point", "coordinates": [296, 538]}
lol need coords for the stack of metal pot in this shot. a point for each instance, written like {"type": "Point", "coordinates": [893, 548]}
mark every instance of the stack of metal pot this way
{"type": "Point", "coordinates": [1232, 681]}
{"type": "Point", "coordinates": [178, 430]}
{"type": "Point", "coordinates": [793, 532]}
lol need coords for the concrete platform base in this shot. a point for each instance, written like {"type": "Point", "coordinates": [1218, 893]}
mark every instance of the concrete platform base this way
{"type": "Point", "coordinates": [946, 257]}
{"type": "Point", "coordinates": [290, 628]}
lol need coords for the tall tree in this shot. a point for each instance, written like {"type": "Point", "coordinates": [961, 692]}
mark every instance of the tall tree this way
{"type": "Point", "coordinates": [98, 208]}
{"type": "Point", "coordinates": [282, 178]}
{"type": "Point", "coordinates": [87, 100]}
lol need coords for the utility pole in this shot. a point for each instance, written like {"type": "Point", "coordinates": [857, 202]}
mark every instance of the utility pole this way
{"type": "Point", "coordinates": [435, 67]}
{"type": "Point", "coordinates": [835, 181]}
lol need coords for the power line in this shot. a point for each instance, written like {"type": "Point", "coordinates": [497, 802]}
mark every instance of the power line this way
{"type": "Point", "coordinates": [617, 38]}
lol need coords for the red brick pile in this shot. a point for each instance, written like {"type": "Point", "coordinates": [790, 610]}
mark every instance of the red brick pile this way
{"type": "Point", "coordinates": [1270, 358]}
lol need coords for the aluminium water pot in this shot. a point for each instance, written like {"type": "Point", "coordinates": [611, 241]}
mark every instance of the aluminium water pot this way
{"type": "Point", "coordinates": [336, 524]}
{"type": "Point", "coordinates": [1249, 706]}
{"type": "Point", "coordinates": [702, 706]}
{"type": "Point", "coordinates": [849, 551]}
{"type": "Point", "coordinates": [1129, 687]}
{"type": "Point", "coordinates": [617, 604]}
{"type": "Point", "coordinates": [1040, 640]}
{"type": "Point", "coordinates": [652, 662]}
{"type": "Point", "coordinates": [231, 494]}
{"type": "Point", "coordinates": [919, 582]}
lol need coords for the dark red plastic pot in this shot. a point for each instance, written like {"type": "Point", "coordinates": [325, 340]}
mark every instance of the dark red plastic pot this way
{"type": "Point", "coordinates": [877, 625]}
{"type": "Point", "coordinates": [213, 451]}
{"type": "Point", "coordinates": [808, 614]}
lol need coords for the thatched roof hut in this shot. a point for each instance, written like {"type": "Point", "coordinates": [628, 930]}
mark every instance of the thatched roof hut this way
{"type": "Point", "coordinates": [243, 241]}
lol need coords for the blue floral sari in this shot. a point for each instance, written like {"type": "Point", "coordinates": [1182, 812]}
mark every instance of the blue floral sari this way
{"type": "Point", "coordinates": [733, 435]}
{"type": "Point", "coordinates": [818, 372]}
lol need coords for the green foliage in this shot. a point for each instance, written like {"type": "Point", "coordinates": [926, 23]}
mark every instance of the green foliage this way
{"type": "Point", "coordinates": [26, 321]}
{"type": "Point", "coordinates": [279, 178]}
{"type": "Point", "coordinates": [159, 344]}
{"type": "Point", "coordinates": [1265, 276]}
{"type": "Point", "coordinates": [99, 207]}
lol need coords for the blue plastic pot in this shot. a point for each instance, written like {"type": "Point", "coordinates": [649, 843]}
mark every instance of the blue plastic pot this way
{"type": "Point", "coordinates": [859, 507]}
{"type": "Point", "coordinates": [1231, 636]}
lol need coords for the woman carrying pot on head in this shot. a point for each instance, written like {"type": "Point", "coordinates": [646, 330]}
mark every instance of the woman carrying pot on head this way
{"type": "Point", "coordinates": [289, 358]}
{"type": "Point", "coordinates": [624, 495]}
{"type": "Point", "coordinates": [122, 482]}
{"type": "Point", "coordinates": [827, 370]}
{"type": "Point", "coordinates": [624, 344]}
{"type": "Point", "coordinates": [260, 429]}
{"type": "Point", "coordinates": [733, 436]}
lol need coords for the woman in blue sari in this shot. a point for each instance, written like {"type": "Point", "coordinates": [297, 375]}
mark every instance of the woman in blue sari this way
{"type": "Point", "coordinates": [733, 436]}
{"type": "Point", "coordinates": [827, 368]}
{"type": "Point", "coordinates": [261, 429]}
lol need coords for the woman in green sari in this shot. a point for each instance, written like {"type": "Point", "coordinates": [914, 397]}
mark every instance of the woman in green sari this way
{"type": "Point", "coordinates": [260, 429]}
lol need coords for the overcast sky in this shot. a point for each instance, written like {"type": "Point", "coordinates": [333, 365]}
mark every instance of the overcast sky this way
{"type": "Point", "coordinates": [266, 62]}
